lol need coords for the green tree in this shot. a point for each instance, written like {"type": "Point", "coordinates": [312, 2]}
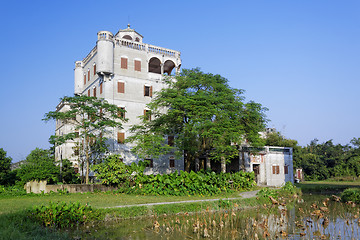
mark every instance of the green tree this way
{"type": "Point", "coordinates": [276, 139]}
{"type": "Point", "coordinates": [39, 165]}
{"type": "Point", "coordinates": [90, 119]}
{"type": "Point", "coordinates": [5, 163]}
{"type": "Point", "coordinates": [204, 114]}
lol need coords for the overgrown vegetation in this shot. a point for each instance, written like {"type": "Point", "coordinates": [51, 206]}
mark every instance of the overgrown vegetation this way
{"type": "Point", "coordinates": [131, 179]}
{"type": "Point", "coordinates": [351, 194]}
{"type": "Point", "coordinates": [288, 191]}
{"type": "Point", "coordinates": [62, 214]}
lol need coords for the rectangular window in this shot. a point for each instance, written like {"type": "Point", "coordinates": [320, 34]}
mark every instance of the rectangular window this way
{"type": "Point", "coordinates": [124, 63]}
{"type": "Point", "coordinates": [88, 74]}
{"type": "Point", "coordinates": [171, 141]}
{"type": "Point", "coordinates": [172, 163]}
{"type": "Point", "coordinates": [94, 91]}
{"type": "Point", "coordinates": [89, 93]}
{"type": "Point", "coordinates": [84, 79]}
{"type": "Point", "coordinates": [147, 115]}
{"type": "Point", "coordinates": [121, 87]}
{"type": "Point", "coordinates": [120, 137]}
{"type": "Point", "coordinates": [137, 64]}
{"type": "Point", "coordinates": [94, 68]}
{"type": "Point", "coordinates": [150, 163]}
{"type": "Point", "coordinates": [276, 169]}
{"type": "Point", "coordinates": [101, 90]}
{"type": "Point", "coordinates": [286, 169]}
{"type": "Point", "coordinates": [121, 112]}
{"type": "Point", "coordinates": [148, 91]}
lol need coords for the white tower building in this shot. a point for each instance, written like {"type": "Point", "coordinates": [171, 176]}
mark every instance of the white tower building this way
{"type": "Point", "coordinates": [126, 72]}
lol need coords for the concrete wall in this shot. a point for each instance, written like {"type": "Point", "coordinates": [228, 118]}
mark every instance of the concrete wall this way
{"type": "Point", "coordinates": [41, 186]}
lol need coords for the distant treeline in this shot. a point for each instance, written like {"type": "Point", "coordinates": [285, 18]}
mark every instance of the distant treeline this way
{"type": "Point", "coordinates": [321, 161]}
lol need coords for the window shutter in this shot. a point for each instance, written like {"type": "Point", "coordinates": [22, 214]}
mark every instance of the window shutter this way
{"type": "Point", "coordinates": [121, 87]}
{"type": "Point", "coordinates": [286, 169]}
{"type": "Point", "coordinates": [94, 91]}
{"type": "Point", "coordinates": [171, 141]}
{"type": "Point", "coordinates": [124, 63]}
{"type": "Point", "coordinates": [84, 79]}
{"type": "Point", "coordinates": [172, 163]}
{"type": "Point", "coordinates": [273, 170]}
{"type": "Point", "coordinates": [121, 137]}
{"type": "Point", "coordinates": [101, 90]}
{"type": "Point", "coordinates": [150, 91]}
{"type": "Point", "coordinates": [89, 93]}
{"type": "Point", "coordinates": [94, 68]}
{"type": "Point", "coordinates": [88, 74]}
{"type": "Point", "coordinates": [277, 169]}
{"type": "Point", "coordinates": [137, 64]}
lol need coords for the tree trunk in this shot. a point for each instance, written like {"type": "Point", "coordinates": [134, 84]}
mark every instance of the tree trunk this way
{"type": "Point", "coordinates": [208, 163]}
{"type": "Point", "coordinates": [223, 164]}
{"type": "Point", "coordinates": [197, 164]}
{"type": "Point", "coordinates": [87, 168]}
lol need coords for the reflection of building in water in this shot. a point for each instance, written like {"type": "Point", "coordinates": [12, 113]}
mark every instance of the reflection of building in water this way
{"type": "Point", "coordinates": [273, 166]}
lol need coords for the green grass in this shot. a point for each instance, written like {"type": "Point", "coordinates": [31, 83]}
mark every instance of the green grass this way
{"type": "Point", "coordinates": [326, 186]}
{"type": "Point", "coordinates": [9, 204]}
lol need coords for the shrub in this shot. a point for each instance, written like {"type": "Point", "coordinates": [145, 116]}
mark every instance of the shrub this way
{"type": "Point", "coordinates": [63, 214]}
{"type": "Point", "coordinates": [351, 194]}
{"type": "Point", "coordinates": [191, 183]}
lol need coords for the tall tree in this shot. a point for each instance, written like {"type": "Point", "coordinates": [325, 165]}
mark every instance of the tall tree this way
{"type": "Point", "coordinates": [204, 114]}
{"type": "Point", "coordinates": [5, 163]}
{"type": "Point", "coordinates": [39, 165]}
{"type": "Point", "coordinates": [89, 119]}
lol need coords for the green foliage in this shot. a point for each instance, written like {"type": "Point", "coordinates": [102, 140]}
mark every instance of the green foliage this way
{"type": "Point", "coordinates": [190, 183]}
{"type": "Point", "coordinates": [91, 118]}
{"type": "Point", "coordinates": [276, 139]}
{"type": "Point", "coordinates": [39, 165]}
{"type": "Point", "coordinates": [321, 161]}
{"type": "Point", "coordinates": [68, 174]}
{"type": "Point", "coordinates": [62, 214]}
{"type": "Point", "coordinates": [204, 114]}
{"type": "Point", "coordinates": [265, 193]}
{"type": "Point", "coordinates": [112, 171]}
{"type": "Point", "coordinates": [5, 163]}
{"type": "Point", "coordinates": [351, 194]}
{"type": "Point", "coordinates": [12, 191]}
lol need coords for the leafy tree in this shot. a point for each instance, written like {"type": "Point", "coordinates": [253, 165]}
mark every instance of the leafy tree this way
{"type": "Point", "coordinates": [276, 139]}
{"type": "Point", "coordinates": [90, 118]}
{"type": "Point", "coordinates": [39, 165]}
{"type": "Point", "coordinates": [113, 171]}
{"type": "Point", "coordinates": [5, 163]}
{"type": "Point", "coordinates": [68, 174]}
{"type": "Point", "coordinates": [204, 114]}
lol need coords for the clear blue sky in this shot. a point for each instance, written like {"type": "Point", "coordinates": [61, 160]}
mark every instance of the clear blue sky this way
{"type": "Point", "coordinates": [300, 59]}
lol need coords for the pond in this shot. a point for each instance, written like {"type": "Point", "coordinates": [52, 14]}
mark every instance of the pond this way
{"type": "Point", "coordinates": [317, 217]}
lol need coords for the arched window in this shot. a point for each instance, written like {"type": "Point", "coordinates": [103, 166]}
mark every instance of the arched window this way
{"type": "Point", "coordinates": [154, 65]}
{"type": "Point", "coordinates": [168, 66]}
{"type": "Point", "coordinates": [137, 39]}
{"type": "Point", "coordinates": [127, 37]}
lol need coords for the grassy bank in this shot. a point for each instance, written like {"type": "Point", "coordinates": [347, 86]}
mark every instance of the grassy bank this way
{"type": "Point", "coordinates": [326, 187]}
{"type": "Point", "coordinates": [9, 204]}
{"type": "Point", "coordinates": [14, 223]}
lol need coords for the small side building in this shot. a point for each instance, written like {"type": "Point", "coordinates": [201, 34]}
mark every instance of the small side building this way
{"type": "Point", "coordinates": [273, 166]}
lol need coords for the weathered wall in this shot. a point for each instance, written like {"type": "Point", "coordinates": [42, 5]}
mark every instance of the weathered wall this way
{"type": "Point", "coordinates": [41, 186]}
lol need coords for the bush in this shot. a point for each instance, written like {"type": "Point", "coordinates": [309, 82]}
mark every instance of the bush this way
{"type": "Point", "coordinates": [185, 183]}
{"type": "Point", "coordinates": [351, 194]}
{"type": "Point", "coordinates": [12, 191]}
{"type": "Point", "coordinates": [63, 214]}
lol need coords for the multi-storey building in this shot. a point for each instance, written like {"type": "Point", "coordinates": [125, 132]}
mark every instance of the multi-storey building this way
{"type": "Point", "coordinates": [126, 72]}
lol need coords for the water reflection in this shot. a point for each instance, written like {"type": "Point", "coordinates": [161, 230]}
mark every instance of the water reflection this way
{"type": "Point", "coordinates": [316, 218]}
